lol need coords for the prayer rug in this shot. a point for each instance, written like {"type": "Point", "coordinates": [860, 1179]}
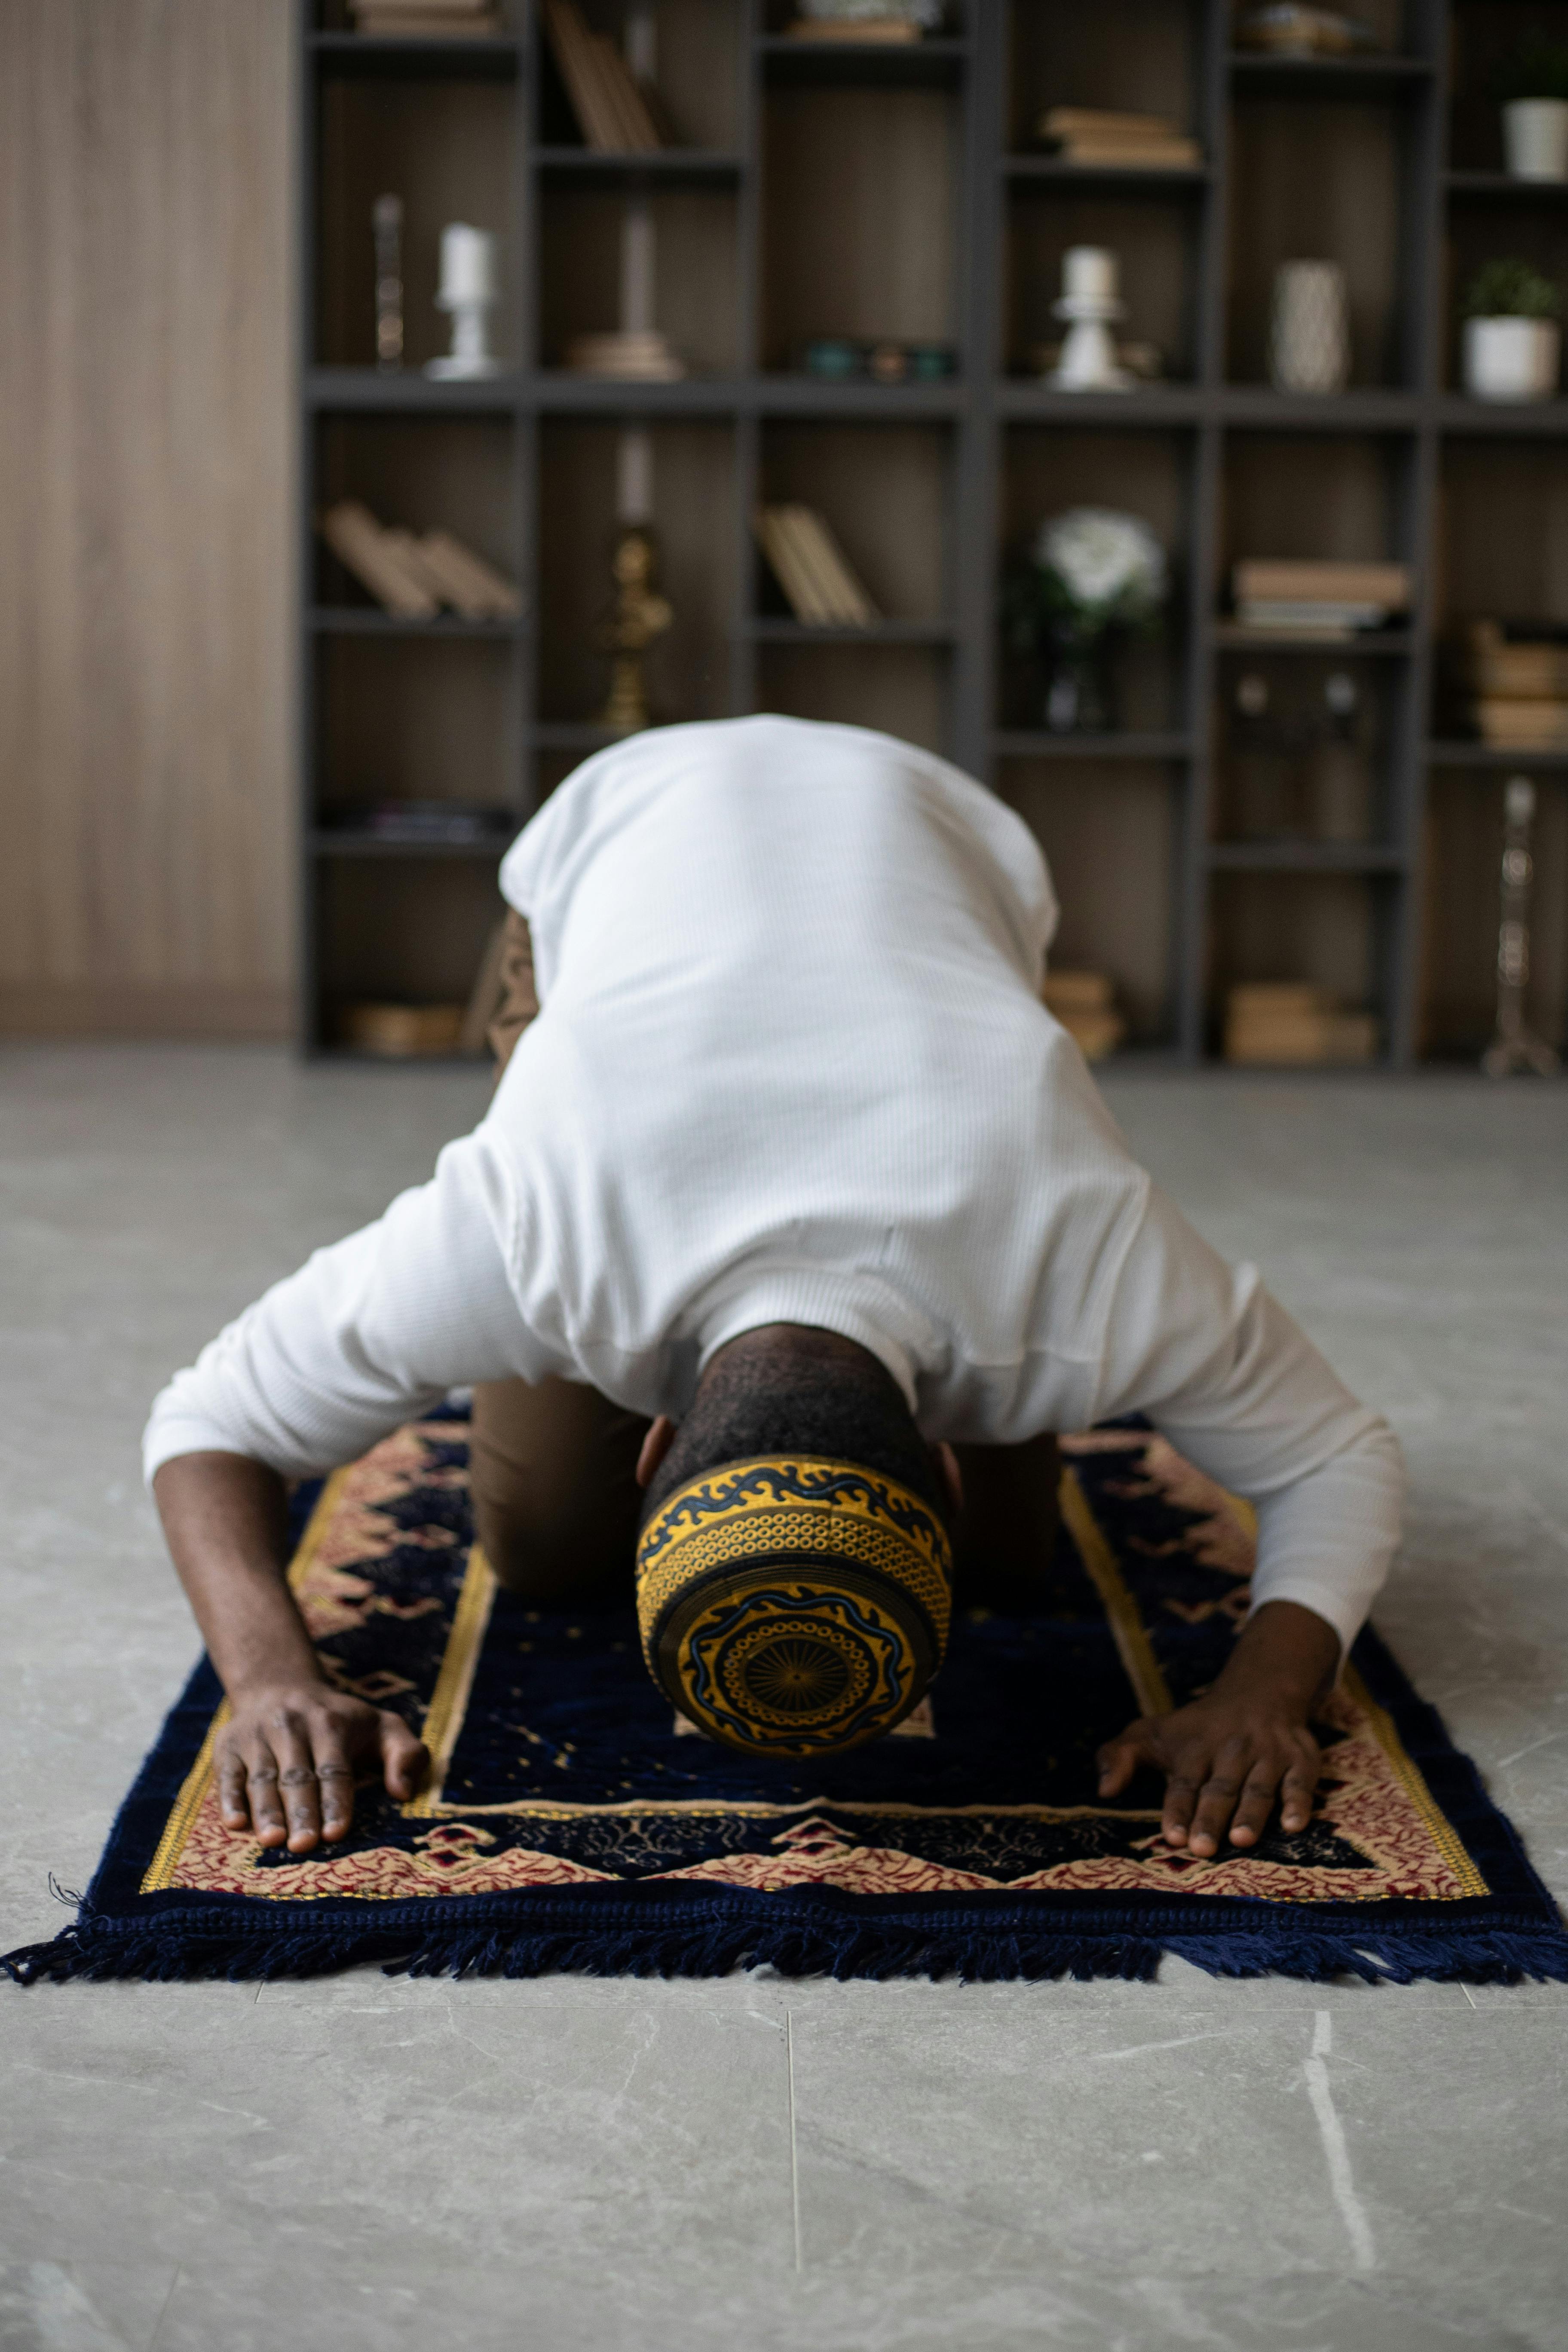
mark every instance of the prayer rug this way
{"type": "Point", "coordinates": [570, 1821]}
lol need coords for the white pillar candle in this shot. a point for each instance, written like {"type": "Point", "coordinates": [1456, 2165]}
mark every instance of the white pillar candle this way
{"type": "Point", "coordinates": [642, 41]}
{"type": "Point", "coordinates": [1089, 273]}
{"type": "Point", "coordinates": [634, 475]}
{"type": "Point", "coordinates": [639, 263]}
{"type": "Point", "coordinates": [468, 265]}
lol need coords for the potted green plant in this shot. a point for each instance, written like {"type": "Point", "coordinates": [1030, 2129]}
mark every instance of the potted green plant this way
{"type": "Point", "coordinates": [1534, 90]}
{"type": "Point", "coordinates": [1512, 340]}
{"type": "Point", "coordinates": [1090, 577]}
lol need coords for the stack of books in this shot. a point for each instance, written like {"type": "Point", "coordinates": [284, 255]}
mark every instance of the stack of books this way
{"type": "Point", "coordinates": [638, 355]}
{"type": "Point", "coordinates": [1515, 673]}
{"type": "Point", "coordinates": [1085, 1004]}
{"type": "Point", "coordinates": [419, 20]}
{"type": "Point", "coordinates": [1140, 142]}
{"type": "Point", "coordinates": [812, 569]}
{"type": "Point", "coordinates": [1326, 601]}
{"type": "Point", "coordinates": [611, 107]}
{"type": "Point", "coordinates": [1288, 1021]}
{"type": "Point", "coordinates": [415, 577]}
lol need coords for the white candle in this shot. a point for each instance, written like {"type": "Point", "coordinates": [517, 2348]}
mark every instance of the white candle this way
{"type": "Point", "coordinates": [1089, 270]}
{"type": "Point", "coordinates": [634, 476]}
{"type": "Point", "coordinates": [638, 266]}
{"type": "Point", "coordinates": [468, 265]}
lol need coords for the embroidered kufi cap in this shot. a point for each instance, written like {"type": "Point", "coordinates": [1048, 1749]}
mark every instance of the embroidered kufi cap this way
{"type": "Point", "coordinates": [792, 1606]}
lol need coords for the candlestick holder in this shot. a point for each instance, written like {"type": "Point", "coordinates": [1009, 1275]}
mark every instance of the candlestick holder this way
{"type": "Point", "coordinates": [1515, 1045]}
{"type": "Point", "coordinates": [638, 616]}
{"type": "Point", "coordinates": [386, 226]}
{"type": "Point", "coordinates": [1091, 302]}
{"type": "Point", "coordinates": [468, 294]}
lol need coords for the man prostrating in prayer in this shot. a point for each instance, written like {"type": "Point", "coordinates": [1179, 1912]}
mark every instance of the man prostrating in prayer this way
{"type": "Point", "coordinates": [795, 1231]}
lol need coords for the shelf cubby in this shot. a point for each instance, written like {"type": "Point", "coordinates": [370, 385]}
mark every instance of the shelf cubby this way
{"type": "Point", "coordinates": [1309, 775]}
{"type": "Point", "coordinates": [443, 144]}
{"type": "Point", "coordinates": [1148, 218]}
{"type": "Point", "coordinates": [1109, 827]}
{"type": "Point", "coordinates": [694, 516]}
{"type": "Point", "coordinates": [408, 926]}
{"type": "Point", "coordinates": [859, 212]}
{"type": "Point", "coordinates": [1327, 927]}
{"type": "Point", "coordinates": [695, 229]}
{"type": "Point", "coordinates": [1148, 474]}
{"type": "Point", "coordinates": [886, 492]}
{"type": "Point", "coordinates": [899, 690]}
{"type": "Point", "coordinates": [406, 719]}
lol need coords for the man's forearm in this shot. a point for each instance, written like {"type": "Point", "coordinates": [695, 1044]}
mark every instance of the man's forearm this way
{"type": "Point", "coordinates": [1286, 1649]}
{"type": "Point", "coordinates": [226, 1522]}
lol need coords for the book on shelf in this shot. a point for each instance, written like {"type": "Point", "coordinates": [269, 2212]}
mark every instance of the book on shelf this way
{"type": "Point", "coordinates": [1307, 580]}
{"type": "Point", "coordinates": [422, 19]}
{"type": "Point", "coordinates": [1309, 616]}
{"type": "Point", "coordinates": [1290, 1021]}
{"type": "Point", "coordinates": [372, 24]}
{"type": "Point", "coordinates": [633, 355]}
{"type": "Point", "coordinates": [1514, 661]}
{"type": "Point", "coordinates": [812, 569]}
{"type": "Point", "coordinates": [401, 1032]}
{"type": "Point", "coordinates": [376, 562]}
{"type": "Point", "coordinates": [1091, 135]}
{"type": "Point", "coordinates": [1085, 1004]}
{"type": "Point", "coordinates": [1105, 156]}
{"type": "Point", "coordinates": [414, 576]}
{"type": "Point", "coordinates": [1309, 598]}
{"type": "Point", "coordinates": [1512, 724]}
{"type": "Point", "coordinates": [612, 113]}
{"type": "Point", "coordinates": [463, 580]}
{"type": "Point", "coordinates": [853, 28]}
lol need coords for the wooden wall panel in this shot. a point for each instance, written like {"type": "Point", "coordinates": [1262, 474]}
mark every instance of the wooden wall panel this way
{"type": "Point", "coordinates": [146, 447]}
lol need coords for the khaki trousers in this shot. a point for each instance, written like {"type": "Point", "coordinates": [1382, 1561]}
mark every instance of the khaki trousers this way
{"type": "Point", "coordinates": [553, 1462]}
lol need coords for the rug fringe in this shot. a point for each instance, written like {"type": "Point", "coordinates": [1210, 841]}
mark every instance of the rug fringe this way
{"type": "Point", "coordinates": [974, 1951]}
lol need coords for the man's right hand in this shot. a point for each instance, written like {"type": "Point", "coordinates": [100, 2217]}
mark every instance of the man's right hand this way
{"type": "Point", "coordinates": [290, 1755]}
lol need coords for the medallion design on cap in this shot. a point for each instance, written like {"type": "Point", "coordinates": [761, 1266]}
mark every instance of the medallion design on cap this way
{"type": "Point", "coordinates": [794, 1606]}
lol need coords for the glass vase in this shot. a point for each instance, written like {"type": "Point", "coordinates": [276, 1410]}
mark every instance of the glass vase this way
{"type": "Point", "coordinates": [1080, 698]}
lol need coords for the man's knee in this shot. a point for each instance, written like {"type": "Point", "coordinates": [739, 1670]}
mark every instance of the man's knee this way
{"type": "Point", "coordinates": [552, 1558]}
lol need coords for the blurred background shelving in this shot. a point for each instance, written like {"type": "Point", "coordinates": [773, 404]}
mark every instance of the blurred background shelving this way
{"type": "Point", "coordinates": [897, 193]}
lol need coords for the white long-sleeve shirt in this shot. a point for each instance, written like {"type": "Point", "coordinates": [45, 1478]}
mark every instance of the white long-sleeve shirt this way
{"type": "Point", "coordinates": [792, 1066]}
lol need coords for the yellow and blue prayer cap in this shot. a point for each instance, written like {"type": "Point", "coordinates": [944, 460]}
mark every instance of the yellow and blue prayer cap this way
{"type": "Point", "coordinates": [793, 1606]}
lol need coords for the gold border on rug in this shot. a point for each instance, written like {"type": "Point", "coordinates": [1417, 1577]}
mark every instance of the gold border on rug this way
{"type": "Point", "coordinates": [1133, 1644]}
{"type": "Point", "coordinates": [1444, 1836]}
{"type": "Point", "coordinates": [448, 1706]}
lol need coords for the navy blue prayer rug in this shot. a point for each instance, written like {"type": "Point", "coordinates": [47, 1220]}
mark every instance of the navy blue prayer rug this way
{"type": "Point", "coordinates": [571, 1821]}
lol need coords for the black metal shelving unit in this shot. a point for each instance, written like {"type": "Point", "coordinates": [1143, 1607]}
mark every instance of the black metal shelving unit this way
{"type": "Point", "coordinates": [986, 413]}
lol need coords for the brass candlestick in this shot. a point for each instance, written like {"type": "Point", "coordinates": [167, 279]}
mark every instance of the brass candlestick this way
{"type": "Point", "coordinates": [1515, 1045]}
{"type": "Point", "coordinates": [640, 616]}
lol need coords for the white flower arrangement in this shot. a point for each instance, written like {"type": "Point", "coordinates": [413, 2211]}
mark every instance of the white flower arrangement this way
{"type": "Point", "coordinates": [1101, 569]}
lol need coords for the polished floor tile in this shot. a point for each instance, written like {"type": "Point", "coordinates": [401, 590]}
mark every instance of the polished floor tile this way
{"type": "Point", "coordinates": [367, 2163]}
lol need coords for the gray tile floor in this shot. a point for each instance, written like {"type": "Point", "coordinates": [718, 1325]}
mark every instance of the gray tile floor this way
{"type": "Point", "coordinates": [372, 2165]}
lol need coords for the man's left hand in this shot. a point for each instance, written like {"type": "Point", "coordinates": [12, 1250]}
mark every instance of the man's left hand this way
{"type": "Point", "coordinates": [1246, 1742]}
